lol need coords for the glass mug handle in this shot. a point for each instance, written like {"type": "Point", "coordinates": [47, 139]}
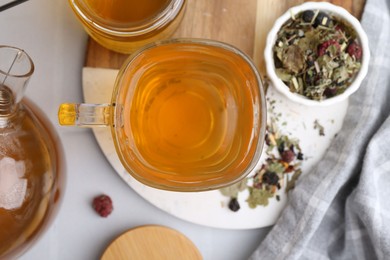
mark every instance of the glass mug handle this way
{"type": "Point", "coordinates": [89, 115]}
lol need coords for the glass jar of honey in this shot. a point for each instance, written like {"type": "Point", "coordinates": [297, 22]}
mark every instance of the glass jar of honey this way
{"type": "Point", "coordinates": [125, 25]}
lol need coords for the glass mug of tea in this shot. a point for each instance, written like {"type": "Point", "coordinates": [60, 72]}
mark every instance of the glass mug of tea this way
{"type": "Point", "coordinates": [185, 115]}
{"type": "Point", "coordinates": [125, 25]}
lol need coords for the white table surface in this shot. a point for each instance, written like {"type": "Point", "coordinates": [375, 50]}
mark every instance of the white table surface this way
{"type": "Point", "coordinates": [48, 31]}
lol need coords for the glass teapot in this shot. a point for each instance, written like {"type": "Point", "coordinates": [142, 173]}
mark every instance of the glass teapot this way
{"type": "Point", "coordinates": [31, 159]}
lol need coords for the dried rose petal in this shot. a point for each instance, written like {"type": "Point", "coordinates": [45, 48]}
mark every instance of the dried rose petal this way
{"type": "Point", "coordinates": [354, 49]}
{"type": "Point", "coordinates": [288, 156]}
{"type": "Point", "coordinates": [325, 45]}
{"type": "Point", "coordinates": [102, 205]}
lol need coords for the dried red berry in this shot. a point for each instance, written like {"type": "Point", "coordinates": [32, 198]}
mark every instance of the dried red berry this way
{"type": "Point", "coordinates": [307, 16]}
{"type": "Point", "coordinates": [102, 205]}
{"type": "Point", "coordinates": [325, 45]}
{"type": "Point", "coordinates": [322, 19]}
{"type": "Point", "coordinates": [288, 156]}
{"type": "Point", "coordinates": [354, 49]}
{"type": "Point", "coordinates": [270, 178]}
{"type": "Point", "coordinates": [234, 205]}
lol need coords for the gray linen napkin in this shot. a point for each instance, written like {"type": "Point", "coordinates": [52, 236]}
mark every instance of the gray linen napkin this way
{"type": "Point", "coordinates": [341, 210]}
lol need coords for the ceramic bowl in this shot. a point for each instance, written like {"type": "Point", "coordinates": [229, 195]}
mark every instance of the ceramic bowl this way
{"type": "Point", "coordinates": [334, 11]}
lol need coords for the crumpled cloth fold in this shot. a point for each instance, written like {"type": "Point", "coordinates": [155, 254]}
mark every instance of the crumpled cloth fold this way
{"type": "Point", "coordinates": [341, 209]}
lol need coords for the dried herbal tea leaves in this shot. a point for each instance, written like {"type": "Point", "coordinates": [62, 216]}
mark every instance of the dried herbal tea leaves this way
{"type": "Point", "coordinates": [317, 55]}
{"type": "Point", "coordinates": [281, 167]}
{"type": "Point", "coordinates": [321, 129]}
{"type": "Point", "coordinates": [258, 197]}
{"type": "Point", "coordinates": [233, 190]}
{"type": "Point", "coordinates": [291, 182]}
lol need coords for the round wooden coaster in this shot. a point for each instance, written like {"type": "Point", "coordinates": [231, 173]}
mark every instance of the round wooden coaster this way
{"type": "Point", "coordinates": [152, 242]}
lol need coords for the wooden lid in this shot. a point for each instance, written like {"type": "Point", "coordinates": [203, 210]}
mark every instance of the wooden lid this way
{"type": "Point", "coordinates": [151, 242]}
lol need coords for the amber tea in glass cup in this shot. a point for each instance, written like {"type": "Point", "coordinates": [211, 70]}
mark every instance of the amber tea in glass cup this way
{"type": "Point", "coordinates": [185, 115]}
{"type": "Point", "coordinates": [125, 25]}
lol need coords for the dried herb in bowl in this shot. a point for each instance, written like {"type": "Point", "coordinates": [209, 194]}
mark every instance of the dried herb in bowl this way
{"type": "Point", "coordinates": [317, 55]}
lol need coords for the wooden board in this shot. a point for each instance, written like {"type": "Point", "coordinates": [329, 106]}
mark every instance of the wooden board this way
{"type": "Point", "coordinates": [243, 23]}
{"type": "Point", "coordinates": [152, 243]}
{"type": "Point", "coordinates": [247, 30]}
